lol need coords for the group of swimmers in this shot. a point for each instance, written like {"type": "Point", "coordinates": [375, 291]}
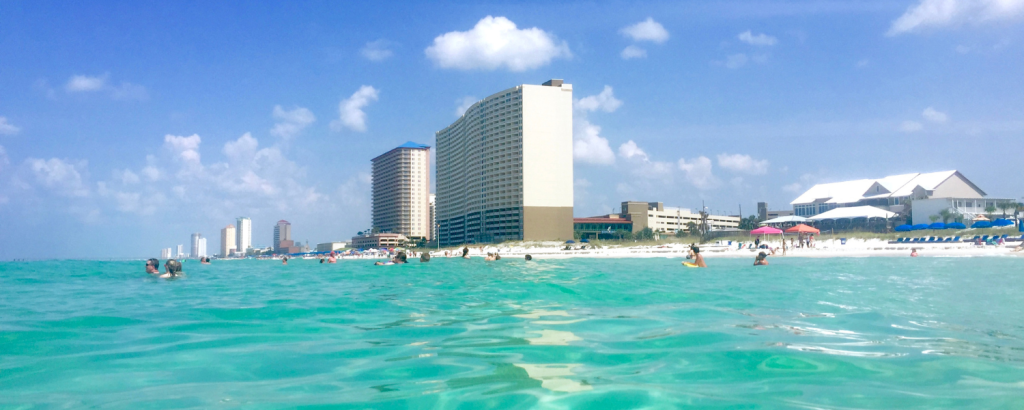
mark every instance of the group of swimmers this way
{"type": "Point", "coordinates": [172, 267]}
{"type": "Point", "coordinates": [698, 260]}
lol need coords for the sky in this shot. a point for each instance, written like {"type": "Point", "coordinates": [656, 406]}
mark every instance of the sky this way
{"type": "Point", "coordinates": [127, 126]}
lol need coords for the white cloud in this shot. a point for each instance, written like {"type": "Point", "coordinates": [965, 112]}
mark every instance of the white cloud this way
{"type": "Point", "coordinates": [588, 146]}
{"type": "Point", "coordinates": [377, 50]}
{"type": "Point", "coordinates": [911, 126]}
{"type": "Point", "coordinates": [743, 163]}
{"type": "Point", "coordinates": [631, 52]}
{"type": "Point", "coordinates": [605, 101]}
{"type": "Point", "coordinates": [291, 123]}
{"type": "Point", "coordinates": [84, 83]}
{"type": "Point", "coordinates": [184, 148]}
{"type": "Point", "coordinates": [7, 128]}
{"type": "Point", "coordinates": [496, 42]}
{"type": "Point", "coordinates": [932, 115]}
{"type": "Point", "coordinates": [351, 110]}
{"type": "Point", "coordinates": [631, 150]}
{"type": "Point", "coordinates": [463, 104]}
{"type": "Point", "coordinates": [794, 188]}
{"type": "Point", "coordinates": [647, 30]}
{"type": "Point", "coordinates": [951, 13]}
{"type": "Point", "coordinates": [698, 172]}
{"type": "Point", "coordinates": [757, 40]}
{"type": "Point", "coordinates": [59, 176]}
{"type": "Point", "coordinates": [736, 61]}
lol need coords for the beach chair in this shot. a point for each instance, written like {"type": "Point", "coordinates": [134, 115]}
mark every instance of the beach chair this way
{"type": "Point", "coordinates": [948, 239]}
{"type": "Point", "coordinates": [976, 237]}
{"type": "Point", "coordinates": [1006, 236]}
{"type": "Point", "coordinates": [899, 240]}
{"type": "Point", "coordinates": [931, 239]}
{"type": "Point", "coordinates": [956, 239]}
{"type": "Point", "coordinates": [984, 238]}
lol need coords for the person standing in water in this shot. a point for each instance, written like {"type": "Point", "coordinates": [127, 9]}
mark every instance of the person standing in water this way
{"type": "Point", "coordinates": [173, 268]}
{"type": "Point", "coordinates": [698, 259]}
{"type": "Point", "coordinates": [761, 259]}
{"type": "Point", "coordinates": [465, 253]}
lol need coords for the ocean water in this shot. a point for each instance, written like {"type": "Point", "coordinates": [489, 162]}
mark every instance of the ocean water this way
{"type": "Point", "coordinates": [847, 333]}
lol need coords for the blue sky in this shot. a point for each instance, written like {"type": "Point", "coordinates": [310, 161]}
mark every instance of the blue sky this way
{"type": "Point", "coordinates": [125, 126]}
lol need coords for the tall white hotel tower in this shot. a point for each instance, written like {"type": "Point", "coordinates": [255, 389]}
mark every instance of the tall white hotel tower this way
{"type": "Point", "coordinates": [401, 190]}
{"type": "Point", "coordinates": [243, 234]}
{"type": "Point", "coordinates": [504, 169]}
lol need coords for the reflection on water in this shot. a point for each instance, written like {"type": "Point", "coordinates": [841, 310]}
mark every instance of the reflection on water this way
{"type": "Point", "coordinates": [553, 338]}
{"type": "Point", "coordinates": [554, 376]}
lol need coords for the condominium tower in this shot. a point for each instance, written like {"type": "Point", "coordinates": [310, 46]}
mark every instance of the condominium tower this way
{"type": "Point", "coordinates": [283, 242]}
{"type": "Point", "coordinates": [227, 241]}
{"type": "Point", "coordinates": [504, 169]}
{"type": "Point", "coordinates": [195, 245]}
{"type": "Point", "coordinates": [401, 191]}
{"type": "Point", "coordinates": [243, 234]}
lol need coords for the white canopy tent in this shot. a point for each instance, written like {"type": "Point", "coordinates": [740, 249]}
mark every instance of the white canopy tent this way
{"type": "Point", "coordinates": [785, 219]}
{"type": "Point", "coordinates": [854, 212]}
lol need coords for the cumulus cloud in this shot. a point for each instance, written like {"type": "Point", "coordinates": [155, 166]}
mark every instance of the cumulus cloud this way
{"type": "Point", "coordinates": [588, 146]}
{"type": "Point", "coordinates": [933, 115]}
{"type": "Point", "coordinates": [911, 126]}
{"type": "Point", "coordinates": [743, 163]}
{"type": "Point", "coordinates": [351, 111]}
{"type": "Point", "coordinates": [291, 123]}
{"type": "Point", "coordinates": [84, 83]}
{"type": "Point", "coordinates": [631, 52]}
{"type": "Point", "coordinates": [463, 104]}
{"type": "Point", "coordinates": [61, 177]}
{"type": "Point", "coordinates": [631, 150]}
{"type": "Point", "coordinates": [377, 50]}
{"type": "Point", "coordinates": [7, 128]}
{"type": "Point", "coordinates": [758, 39]}
{"type": "Point", "coordinates": [496, 42]}
{"type": "Point", "coordinates": [951, 13]}
{"type": "Point", "coordinates": [605, 101]}
{"type": "Point", "coordinates": [698, 172]}
{"type": "Point", "coordinates": [647, 30]}
{"type": "Point", "coordinates": [184, 148]}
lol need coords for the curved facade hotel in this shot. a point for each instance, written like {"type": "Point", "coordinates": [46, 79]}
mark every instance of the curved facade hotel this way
{"type": "Point", "coordinates": [504, 169]}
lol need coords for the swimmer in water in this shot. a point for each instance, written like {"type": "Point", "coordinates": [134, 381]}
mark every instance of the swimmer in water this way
{"type": "Point", "coordinates": [913, 252]}
{"type": "Point", "coordinates": [425, 257]}
{"type": "Point", "coordinates": [204, 260]}
{"type": "Point", "coordinates": [153, 266]}
{"type": "Point", "coordinates": [284, 260]}
{"type": "Point", "coordinates": [173, 269]}
{"type": "Point", "coordinates": [490, 257]}
{"type": "Point", "coordinates": [761, 259]}
{"type": "Point", "coordinates": [529, 258]}
{"type": "Point", "coordinates": [698, 259]}
{"type": "Point", "coordinates": [465, 253]}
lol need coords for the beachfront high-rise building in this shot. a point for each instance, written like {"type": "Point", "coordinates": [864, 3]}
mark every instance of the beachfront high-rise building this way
{"type": "Point", "coordinates": [243, 234]}
{"type": "Point", "coordinates": [433, 216]}
{"type": "Point", "coordinates": [195, 244]}
{"type": "Point", "coordinates": [227, 241]}
{"type": "Point", "coordinates": [201, 251]}
{"type": "Point", "coordinates": [165, 253]}
{"type": "Point", "coordinates": [401, 189]}
{"type": "Point", "coordinates": [181, 251]}
{"type": "Point", "coordinates": [283, 242]}
{"type": "Point", "coordinates": [504, 169]}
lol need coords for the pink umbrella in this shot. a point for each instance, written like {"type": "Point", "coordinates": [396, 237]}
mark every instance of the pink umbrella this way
{"type": "Point", "coordinates": [766, 230]}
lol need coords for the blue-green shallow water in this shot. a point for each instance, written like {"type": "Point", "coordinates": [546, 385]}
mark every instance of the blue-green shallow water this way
{"type": "Point", "coordinates": [641, 333]}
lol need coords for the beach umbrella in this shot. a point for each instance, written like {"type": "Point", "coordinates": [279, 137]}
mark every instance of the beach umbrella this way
{"type": "Point", "coordinates": [766, 230]}
{"type": "Point", "coordinates": [585, 240]}
{"type": "Point", "coordinates": [982, 224]}
{"type": "Point", "coordinates": [919, 227]}
{"type": "Point", "coordinates": [937, 225]}
{"type": "Point", "coordinates": [802, 229]}
{"type": "Point", "coordinates": [570, 241]}
{"type": "Point", "coordinates": [1002, 222]}
{"type": "Point", "coordinates": [904, 228]}
{"type": "Point", "coordinates": [956, 225]}
{"type": "Point", "coordinates": [980, 218]}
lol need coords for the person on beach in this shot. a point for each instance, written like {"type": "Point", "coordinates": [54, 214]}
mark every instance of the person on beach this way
{"type": "Point", "coordinates": [757, 242]}
{"type": "Point", "coordinates": [153, 266]}
{"type": "Point", "coordinates": [761, 259]}
{"type": "Point", "coordinates": [913, 252]}
{"type": "Point", "coordinates": [173, 269]}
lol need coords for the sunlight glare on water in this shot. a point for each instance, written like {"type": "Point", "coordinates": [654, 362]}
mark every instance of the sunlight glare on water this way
{"type": "Point", "coordinates": [867, 333]}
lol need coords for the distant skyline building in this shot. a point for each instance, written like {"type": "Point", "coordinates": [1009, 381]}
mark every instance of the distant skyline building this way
{"type": "Point", "coordinates": [165, 253]}
{"type": "Point", "coordinates": [201, 252]}
{"type": "Point", "coordinates": [243, 233]}
{"type": "Point", "coordinates": [283, 242]}
{"type": "Point", "coordinates": [505, 168]}
{"type": "Point", "coordinates": [194, 249]}
{"type": "Point", "coordinates": [227, 241]}
{"type": "Point", "coordinates": [401, 189]}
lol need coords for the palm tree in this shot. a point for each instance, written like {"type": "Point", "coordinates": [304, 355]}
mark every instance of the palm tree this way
{"type": "Point", "coordinates": [933, 218]}
{"type": "Point", "coordinates": [1004, 205]}
{"type": "Point", "coordinates": [946, 215]}
{"type": "Point", "coordinates": [990, 209]}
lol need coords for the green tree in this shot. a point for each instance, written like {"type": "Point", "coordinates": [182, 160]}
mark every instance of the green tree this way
{"type": "Point", "coordinates": [990, 209]}
{"type": "Point", "coordinates": [680, 233]}
{"type": "Point", "coordinates": [691, 227]}
{"type": "Point", "coordinates": [933, 218]}
{"type": "Point", "coordinates": [645, 234]}
{"type": "Point", "coordinates": [946, 215]}
{"type": "Point", "coordinates": [749, 223]}
{"type": "Point", "coordinates": [577, 234]}
{"type": "Point", "coordinates": [1004, 206]}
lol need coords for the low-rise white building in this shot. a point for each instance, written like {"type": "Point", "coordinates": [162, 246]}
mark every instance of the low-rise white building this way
{"type": "Point", "coordinates": [330, 246]}
{"type": "Point", "coordinates": [663, 219]}
{"type": "Point", "coordinates": [890, 193]}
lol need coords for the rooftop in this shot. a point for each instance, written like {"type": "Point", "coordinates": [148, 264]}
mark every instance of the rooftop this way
{"type": "Point", "coordinates": [897, 186]}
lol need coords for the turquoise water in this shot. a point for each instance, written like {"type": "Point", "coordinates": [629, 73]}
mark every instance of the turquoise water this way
{"type": "Point", "coordinates": [557, 334]}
